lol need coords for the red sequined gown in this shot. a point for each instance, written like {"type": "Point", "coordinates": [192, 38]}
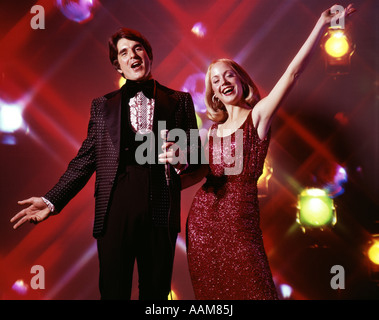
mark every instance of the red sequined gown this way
{"type": "Point", "coordinates": [226, 255]}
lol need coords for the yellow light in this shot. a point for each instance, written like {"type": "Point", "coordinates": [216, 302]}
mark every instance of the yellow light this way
{"type": "Point", "coordinates": [338, 49]}
{"type": "Point", "coordinates": [337, 45]}
{"type": "Point", "coordinates": [373, 252]}
{"type": "Point", "coordinates": [121, 81]}
{"type": "Point", "coordinates": [265, 176]}
{"type": "Point", "coordinates": [172, 295]}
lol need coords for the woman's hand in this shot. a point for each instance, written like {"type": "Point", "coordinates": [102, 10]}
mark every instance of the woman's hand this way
{"type": "Point", "coordinates": [335, 14]}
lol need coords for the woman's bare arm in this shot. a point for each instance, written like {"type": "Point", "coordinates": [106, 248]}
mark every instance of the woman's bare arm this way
{"type": "Point", "coordinates": [265, 109]}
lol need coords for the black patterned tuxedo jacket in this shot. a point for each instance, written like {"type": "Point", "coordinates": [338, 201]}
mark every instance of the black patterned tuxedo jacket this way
{"type": "Point", "coordinates": [100, 153]}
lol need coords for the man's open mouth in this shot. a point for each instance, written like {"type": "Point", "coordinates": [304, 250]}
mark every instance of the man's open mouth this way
{"type": "Point", "coordinates": [136, 64]}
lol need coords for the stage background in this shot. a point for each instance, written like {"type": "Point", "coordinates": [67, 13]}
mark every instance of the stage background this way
{"type": "Point", "coordinates": [53, 74]}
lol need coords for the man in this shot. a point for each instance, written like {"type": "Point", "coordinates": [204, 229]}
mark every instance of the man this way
{"type": "Point", "coordinates": [137, 213]}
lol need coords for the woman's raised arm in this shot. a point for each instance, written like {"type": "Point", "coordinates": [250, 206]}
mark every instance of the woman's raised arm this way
{"type": "Point", "coordinates": [265, 109]}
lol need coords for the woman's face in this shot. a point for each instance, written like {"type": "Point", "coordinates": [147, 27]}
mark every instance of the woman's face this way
{"type": "Point", "coordinates": [226, 84]}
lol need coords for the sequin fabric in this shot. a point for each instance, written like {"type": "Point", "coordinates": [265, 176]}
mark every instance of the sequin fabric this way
{"type": "Point", "coordinates": [226, 255]}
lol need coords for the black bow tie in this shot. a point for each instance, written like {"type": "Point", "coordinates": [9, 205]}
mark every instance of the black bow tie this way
{"type": "Point", "coordinates": [147, 87]}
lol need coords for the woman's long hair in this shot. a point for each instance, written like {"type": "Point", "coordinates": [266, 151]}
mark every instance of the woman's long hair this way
{"type": "Point", "coordinates": [216, 110]}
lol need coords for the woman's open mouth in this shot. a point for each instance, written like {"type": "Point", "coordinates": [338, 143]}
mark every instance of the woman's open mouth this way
{"type": "Point", "coordinates": [227, 91]}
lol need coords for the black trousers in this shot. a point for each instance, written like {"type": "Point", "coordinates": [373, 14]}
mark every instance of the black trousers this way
{"type": "Point", "coordinates": [130, 237]}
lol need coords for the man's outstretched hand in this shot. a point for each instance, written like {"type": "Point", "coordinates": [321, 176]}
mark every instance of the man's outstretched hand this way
{"type": "Point", "coordinates": [37, 211]}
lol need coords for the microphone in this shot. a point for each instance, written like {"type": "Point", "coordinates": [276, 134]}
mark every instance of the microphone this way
{"type": "Point", "coordinates": [164, 136]}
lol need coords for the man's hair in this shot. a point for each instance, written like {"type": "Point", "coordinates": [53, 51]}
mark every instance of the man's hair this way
{"type": "Point", "coordinates": [127, 34]}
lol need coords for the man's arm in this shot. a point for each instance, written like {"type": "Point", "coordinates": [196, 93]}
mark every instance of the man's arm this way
{"type": "Point", "coordinates": [78, 172]}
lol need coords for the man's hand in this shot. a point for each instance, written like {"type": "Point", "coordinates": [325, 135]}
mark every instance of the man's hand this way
{"type": "Point", "coordinates": [174, 155]}
{"type": "Point", "coordinates": [37, 211]}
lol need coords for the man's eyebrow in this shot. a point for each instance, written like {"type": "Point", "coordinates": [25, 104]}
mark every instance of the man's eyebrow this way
{"type": "Point", "coordinates": [122, 50]}
{"type": "Point", "coordinates": [137, 45]}
{"type": "Point", "coordinates": [125, 48]}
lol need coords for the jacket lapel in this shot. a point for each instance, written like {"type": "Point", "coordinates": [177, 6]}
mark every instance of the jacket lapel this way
{"type": "Point", "coordinates": [112, 117]}
{"type": "Point", "coordinates": [165, 106]}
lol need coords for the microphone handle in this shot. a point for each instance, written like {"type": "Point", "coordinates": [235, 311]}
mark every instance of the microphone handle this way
{"type": "Point", "coordinates": [164, 134]}
{"type": "Point", "coordinates": [167, 172]}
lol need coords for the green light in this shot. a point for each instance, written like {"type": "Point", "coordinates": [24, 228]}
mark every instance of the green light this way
{"type": "Point", "coordinates": [316, 208]}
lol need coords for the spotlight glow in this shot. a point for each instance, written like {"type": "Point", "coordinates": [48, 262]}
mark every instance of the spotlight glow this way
{"type": "Point", "coordinates": [199, 30]}
{"type": "Point", "coordinates": [195, 85]}
{"type": "Point", "coordinates": [20, 287]}
{"type": "Point", "coordinates": [121, 81]}
{"type": "Point", "coordinates": [263, 181]}
{"type": "Point", "coordinates": [373, 252]}
{"type": "Point", "coordinates": [337, 45]}
{"type": "Point", "coordinates": [286, 291]}
{"type": "Point", "coordinates": [10, 117]}
{"type": "Point", "coordinates": [172, 295]}
{"type": "Point", "coordinates": [335, 187]}
{"type": "Point", "coordinates": [76, 10]}
{"type": "Point", "coordinates": [316, 208]}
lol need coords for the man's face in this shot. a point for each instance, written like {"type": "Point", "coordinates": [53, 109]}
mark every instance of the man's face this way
{"type": "Point", "coordinates": [134, 62]}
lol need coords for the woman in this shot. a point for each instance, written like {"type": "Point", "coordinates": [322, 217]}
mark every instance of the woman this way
{"type": "Point", "coordinates": [226, 254]}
